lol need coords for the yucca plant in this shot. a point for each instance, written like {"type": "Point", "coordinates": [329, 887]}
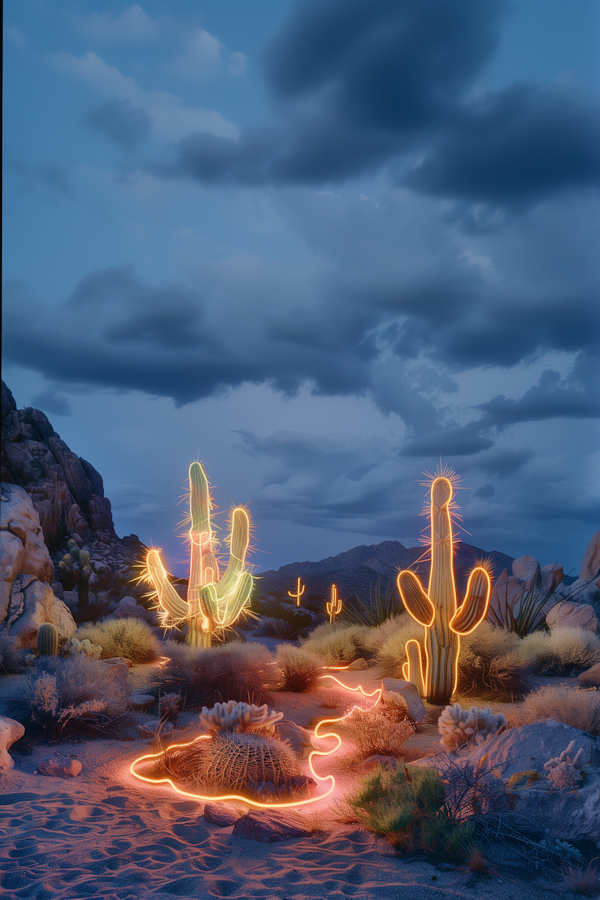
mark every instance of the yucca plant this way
{"type": "Point", "coordinates": [376, 610]}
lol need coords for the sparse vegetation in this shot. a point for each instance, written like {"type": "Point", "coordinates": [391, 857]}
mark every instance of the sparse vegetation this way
{"type": "Point", "coordinates": [491, 664]}
{"type": "Point", "coordinates": [299, 668]}
{"type": "Point", "coordinates": [578, 708]}
{"type": "Point", "coordinates": [562, 651]}
{"type": "Point", "coordinates": [129, 638]}
{"type": "Point", "coordinates": [377, 731]}
{"type": "Point", "coordinates": [374, 611]}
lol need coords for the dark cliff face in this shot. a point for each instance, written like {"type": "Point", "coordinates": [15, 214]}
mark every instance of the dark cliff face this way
{"type": "Point", "coordinates": [66, 490]}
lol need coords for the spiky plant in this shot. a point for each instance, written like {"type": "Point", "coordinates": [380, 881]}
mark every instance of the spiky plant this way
{"type": "Point", "coordinates": [76, 565]}
{"type": "Point", "coordinates": [213, 604]}
{"type": "Point", "coordinates": [436, 609]}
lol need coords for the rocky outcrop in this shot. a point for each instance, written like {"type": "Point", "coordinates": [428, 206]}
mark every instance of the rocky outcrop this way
{"type": "Point", "coordinates": [572, 615]}
{"type": "Point", "coordinates": [31, 604]}
{"type": "Point", "coordinates": [10, 731]}
{"type": "Point", "coordinates": [68, 495]}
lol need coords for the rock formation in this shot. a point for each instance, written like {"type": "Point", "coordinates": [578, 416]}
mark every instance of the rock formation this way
{"type": "Point", "coordinates": [67, 494]}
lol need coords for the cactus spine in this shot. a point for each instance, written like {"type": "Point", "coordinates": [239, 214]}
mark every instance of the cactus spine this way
{"type": "Point", "coordinates": [298, 593]}
{"type": "Point", "coordinates": [213, 603]}
{"type": "Point", "coordinates": [436, 609]}
{"type": "Point", "coordinates": [334, 606]}
{"type": "Point", "coordinates": [47, 640]}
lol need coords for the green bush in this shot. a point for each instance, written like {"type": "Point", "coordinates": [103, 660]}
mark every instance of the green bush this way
{"type": "Point", "coordinates": [129, 638]}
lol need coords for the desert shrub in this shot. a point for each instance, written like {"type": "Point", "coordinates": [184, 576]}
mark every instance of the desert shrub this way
{"type": "Point", "coordinates": [281, 620]}
{"type": "Point", "coordinates": [407, 805]}
{"type": "Point", "coordinates": [330, 698]}
{"type": "Point", "coordinates": [578, 708]}
{"type": "Point", "coordinates": [374, 610]}
{"type": "Point", "coordinates": [203, 677]}
{"type": "Point", "coordinates": [491, 663]}
{"type": "Point", "coordinates": [460, 727]}
{"type": "Point", "coordinates": [376, 731]}
{"type": "Point", "coordinates": [300, 669]}
{"type": "Point", "coordinates": [73, 647]}
{"type": "Point", "coordinates": [335, 643]}
{"type": "Point", "coordinates": [72, 695]}
{"type": "Point", "coordinates": [12, 660]}
{"type": "Point", "coordinates": [392, 653]}
{"type": "Point", "coordinates": [525, 613]}
{"type": "Point", "coordinates": [129, 638]}
{"type": "Point", "coordinates": [562, 651]}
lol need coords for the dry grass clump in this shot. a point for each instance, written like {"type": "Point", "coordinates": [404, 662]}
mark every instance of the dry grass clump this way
{"type": "Point", "coordinates": [299, 668]}
{"type": "Point", "coordinates": [330, 698]}
{"type": "Point", "coordinates": [78, 694]}
{"type": "Point", "coordinates": [129, 638]}
{"type": "Point", "coordinates": [391, 653]}
{"type": "Point", "coordinates": [491, 664]}
{"type": "Point", "coordinates": [242, 672]}
{"type": "Point", "coordinates": [335, 643]}
{"type": "Point", "coordinates": [376, 731]}
{"type": "Point", "coordinates": [578, 708]}
{"type": "Point", "coordinates": [562, 651]}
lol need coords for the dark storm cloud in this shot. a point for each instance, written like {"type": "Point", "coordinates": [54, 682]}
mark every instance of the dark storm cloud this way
{"type": "Point", "coordinates": [123, 123]}
{"type": "Point", "coordinates": [51, 403]}
{"type": "Point", "coordinates": [361, 84]}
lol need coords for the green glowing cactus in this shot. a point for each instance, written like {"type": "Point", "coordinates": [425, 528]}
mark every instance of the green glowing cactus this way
{"type": "Point", "coordinates": [213, 603]}
{"type": "Point", "coordinates": [47, 640]}
{"type": "Point", "coordinates": [437, 610]}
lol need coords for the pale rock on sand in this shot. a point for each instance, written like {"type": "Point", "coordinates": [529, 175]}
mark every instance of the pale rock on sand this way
{"type": "Point", "coordinates": [10, 731]}
{"type": "Point", "coordinates": [403, 694]}
{"type": "Point", "coordinates": [59, 767]}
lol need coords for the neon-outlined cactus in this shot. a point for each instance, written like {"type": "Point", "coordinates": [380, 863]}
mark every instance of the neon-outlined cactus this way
{"type": "Point", "coordinates": [298, 593]}
{"type": "Point", "coordinates": [213, 603]}
{"type": "Point", "coordinates": [334, 606]}
{"type": "Point", "coordinates": [436, 610]}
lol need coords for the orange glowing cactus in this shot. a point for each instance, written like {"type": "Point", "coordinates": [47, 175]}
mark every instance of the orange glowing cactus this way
{"type": "Point", "coordinates": [213, 603]}
{"type": "Point", "coordinates": [436, 610]}
{"type": "Point", "coordinates": [298, 593]}
{"type": "Point", "coordinates": [334, 606]}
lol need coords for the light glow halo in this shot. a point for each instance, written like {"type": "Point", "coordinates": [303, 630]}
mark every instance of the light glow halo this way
{"type": "Point", "coordinates": [256, 803]}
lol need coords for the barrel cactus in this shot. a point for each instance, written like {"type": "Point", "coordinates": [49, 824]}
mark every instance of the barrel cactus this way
{"type": "Point", "coordinates": [213, 603]}
{"type": "Point", "coordinates": [47, 640]}
{"type": "Point", "coordinates": [436, 609]}
{"type": "Point", "coordinates": [237, 760]}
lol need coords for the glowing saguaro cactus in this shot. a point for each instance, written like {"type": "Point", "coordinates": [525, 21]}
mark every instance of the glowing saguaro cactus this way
{"type": "Point", "coordinates": [436, 609]}
{"type": "Point", "coordinates": [298, 593]}
{"type": "Point", "coordinates": [213, 603]}
{"type": "Point", "coordinates": [334, 606]}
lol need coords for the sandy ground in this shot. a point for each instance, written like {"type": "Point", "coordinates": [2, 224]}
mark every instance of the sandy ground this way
{"type": "Point", "coordinates": [105, 834]}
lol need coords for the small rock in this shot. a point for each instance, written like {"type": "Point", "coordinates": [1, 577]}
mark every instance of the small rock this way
{"type": "Point", "coordinates": [10, 731]}
{"type": "Point", "coordinates": [270, 826]}
{"type": "Point", "coordinates": [59, 767]}
{"type": "Point", "coordinates": [142, 702]}
{"type": "Point", "coordinates": [590, 678]}
{"type": "Point", "coordinates": [572, 615]}
{"type": "Point", "coordinates": [220, 814]}
{"type": "Point", "coordinates": [405, 695]}
{"type": "Point", "coordinates": [358, 664]}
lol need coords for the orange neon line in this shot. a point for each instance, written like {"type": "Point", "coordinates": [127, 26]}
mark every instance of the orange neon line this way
{"type": "Point", "coordinates": [256, 803]}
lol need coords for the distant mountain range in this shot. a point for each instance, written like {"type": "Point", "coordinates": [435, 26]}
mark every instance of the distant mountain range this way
{"type": "Point", "coordinates": [357, 570]}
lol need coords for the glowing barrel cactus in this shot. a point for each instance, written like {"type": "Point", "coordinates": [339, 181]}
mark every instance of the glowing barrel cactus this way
{"type": "Point", "coordinates": [47, 640]}
{"type": "Point", "coordinates": [213, 603]}
{"type": "Point", "coordinates": [437, 610]}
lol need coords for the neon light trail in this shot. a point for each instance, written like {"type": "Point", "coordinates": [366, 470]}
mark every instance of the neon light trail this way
{"type": "Point", "coordinates": [213, 603]}
{"type": "Point", "coordinates": [334, 606]}
{"type": "Point", "coordinates": [298, 593]}
{"type": "Point", "coordinates": [320, 779]}
{"type": "Point", "coordinates": [436, 610]}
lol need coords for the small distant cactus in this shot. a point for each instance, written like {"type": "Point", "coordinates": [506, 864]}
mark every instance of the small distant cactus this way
{"type": "Point", "coordinates": [47, 640]}
{"type": "Point", "coordinates": [563, 772]}
{"type": "Point", "coordinates": [459, 727]}
{"type": "Point", "coordinates": [298, 593]}
{"type": "Point", "coordinates": [239, 717]}
{"type": "Point", "coordinates": [334, 607]}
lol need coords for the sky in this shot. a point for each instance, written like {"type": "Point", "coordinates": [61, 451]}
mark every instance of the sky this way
{"type": "Point", "coordinates": [323, 247]}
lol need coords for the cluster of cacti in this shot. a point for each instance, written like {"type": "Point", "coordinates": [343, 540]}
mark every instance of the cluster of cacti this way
{"type": "Point", "coordinates": [299, 592]}
{"type": "Point", "coordinates": [76, 563]}
{"type": "Point", "coordinates": [436, 609]}
{"type": "Point", "coordinates": [75, 647]}
{"type": "Point", "coordinates": [563, 772]}
{"type": "Point", "coordinates": [47, 640]}
{"type": "Point", "coordinates": [213, 603]}
{"type": "Point", "coordinates": [239, 717]}
{"type": "Point", "coordinates": [459, 727]}
{"type": "Point", "coordinates": [334, 606]}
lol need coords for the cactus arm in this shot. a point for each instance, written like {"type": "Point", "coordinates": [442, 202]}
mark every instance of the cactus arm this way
{"type": "Point", "coordinates": [412, 669]}
{"type": "Point", "coordinates": [415, 599]}
{"type": "Point", "coordinates": [442, 591]}
{"type": "Point", "coordinates": [168, 598]}
{"type": "Point", "coordinates": [475, 605]}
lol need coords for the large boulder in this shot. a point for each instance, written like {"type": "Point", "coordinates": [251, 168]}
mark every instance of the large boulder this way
{"type": "Point", "coordinates": [572, 615]}
{"type": "Point", "coordinates": [10, 731]}
{"type": "Point", "coordinates": [22, 547]}
{"type": "Point", "coordinates": [590, 564]}
{"type": "Point", "coordinates": [31, 603]}
{"type": "Point", "coordinates": [526, 569]}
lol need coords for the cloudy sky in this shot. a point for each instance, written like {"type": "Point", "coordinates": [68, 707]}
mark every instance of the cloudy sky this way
{"type": "Point", "coordinates": [319, 246]}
